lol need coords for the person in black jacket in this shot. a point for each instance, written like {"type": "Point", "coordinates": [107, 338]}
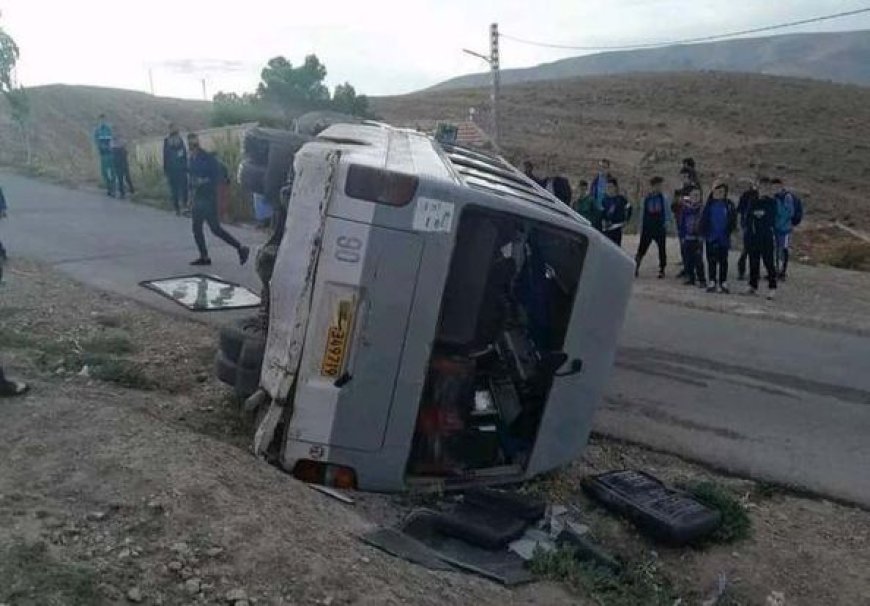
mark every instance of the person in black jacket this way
{"type": "Point", "coordinates": [175, 168]}
{"type": "Point", "coordinates": [615, 212]}
{"type": "Point", "coordinates": [121, 166]}
{"type": "Point", "coordinates": [746, 199]}
{"type": "Point", "coordinates": [761, 237]}
{"type": "Point", "coordinates": [718, 222]}
{"type": "Point", "coordinates": [654, 225]}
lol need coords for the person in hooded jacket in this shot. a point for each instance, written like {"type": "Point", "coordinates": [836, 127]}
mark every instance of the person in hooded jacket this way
{"type": "Point", "coordinates": [761, 237]}
{"type": "Point", "coordinates": [654, 226]}
{"type": "Point", "coordinates": [690, 228]}
{"type": "Point", "coordinates": [718, 222]}
{"type": "Point", "coordinates": [615, 212]}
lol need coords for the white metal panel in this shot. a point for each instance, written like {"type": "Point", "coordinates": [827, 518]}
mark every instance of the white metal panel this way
{"type": "Point", "coordinates": [293, 278]}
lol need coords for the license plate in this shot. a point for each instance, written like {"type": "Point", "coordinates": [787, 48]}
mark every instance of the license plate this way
{"type": "Point", "coordinates": [337, 337]}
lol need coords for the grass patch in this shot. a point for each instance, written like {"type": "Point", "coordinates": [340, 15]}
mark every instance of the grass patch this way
{"type": "Point", "coordinates": [117, 344]}
{"type": "Point", "coordinates": [30, 576]}
{"type": "Point", "coordinates": [642, 582]}
{"type": "Point", "coordinates": [855, 255]}
{"type": "Point", "coordinates": [119, 371]}
{"type": "Point", "coordinates": [736, 524]}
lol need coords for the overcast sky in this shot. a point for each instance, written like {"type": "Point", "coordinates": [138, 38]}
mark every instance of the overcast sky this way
{"type": "Point", "coordinates": [380, 46]}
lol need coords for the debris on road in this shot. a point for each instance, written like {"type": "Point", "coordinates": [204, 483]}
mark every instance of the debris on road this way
{"type": "Point", "coordinates": [332, 492]}
{"type": "Point", "coordinates": [663, 513]}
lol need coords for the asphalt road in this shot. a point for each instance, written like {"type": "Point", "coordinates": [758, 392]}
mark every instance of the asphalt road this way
{"type": "Point", "coordinates": [773, 401]}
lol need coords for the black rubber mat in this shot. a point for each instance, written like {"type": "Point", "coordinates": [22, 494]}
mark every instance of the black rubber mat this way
{"type": "Point", "coordinates": [663, 513]}
{"type": "Point", "coordinates": [500, 565]}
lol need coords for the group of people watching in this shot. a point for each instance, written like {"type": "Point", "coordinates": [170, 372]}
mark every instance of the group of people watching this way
{"type": "Point", "coordinates": [194, 175]}
{"type": "Point", "coordinates": [766, 214]}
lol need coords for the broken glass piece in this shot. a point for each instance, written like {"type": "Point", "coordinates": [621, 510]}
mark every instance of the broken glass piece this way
{"type": "Point", "coordinates": [201, 292]}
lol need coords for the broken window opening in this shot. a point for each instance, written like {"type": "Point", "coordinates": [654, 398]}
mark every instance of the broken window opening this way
{"type": "Point", "coordinates": [498, 348]}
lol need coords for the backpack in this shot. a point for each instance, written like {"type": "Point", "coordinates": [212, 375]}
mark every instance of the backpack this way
{"type": "Point", "coordinates": [798, 214]}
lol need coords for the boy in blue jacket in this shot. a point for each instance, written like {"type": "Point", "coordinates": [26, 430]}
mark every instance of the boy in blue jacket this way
{"type": "Point", "coordinates": [718, 222]}
{"type": "Point", "coordinates": [690, 228]}
{"type": "Point", "coordinates": [103, 142]}
{"type": "Point", "coordinates": [654, 226]}
{"type": "Point", "coordinates": [785, 209]}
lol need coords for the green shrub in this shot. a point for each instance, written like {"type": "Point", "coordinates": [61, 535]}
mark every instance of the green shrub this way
{"type": "Point", "coordinates": [736, 524]}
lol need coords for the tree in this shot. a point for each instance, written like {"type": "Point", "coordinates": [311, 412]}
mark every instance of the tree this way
{"type": "Point", "coordinates": [16, 96]}
{"type": "Point", "coordinates": [345, 100]}
{"type": "Point", "coordinates": [289, 86]}
{"type": "Point", "coordinates": [8, 59]}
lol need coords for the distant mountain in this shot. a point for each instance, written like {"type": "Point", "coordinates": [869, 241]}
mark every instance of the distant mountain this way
{"type": "Point", "coordinates": [842, 57]}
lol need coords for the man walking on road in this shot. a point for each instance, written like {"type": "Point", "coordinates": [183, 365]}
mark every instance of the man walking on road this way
{"type": "Point", "coordinates": [103, 141]}
{"type": "Point", "coordinates": [761, 237]}
{"type": "Point", "coordinates": [175, 168]}
{"type": "Point", "coordinates": [205, 176]}
{"type": "Point", "coordinates": [654, 225]}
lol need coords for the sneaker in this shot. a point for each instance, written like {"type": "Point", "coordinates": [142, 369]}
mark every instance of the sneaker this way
{"type": "Point", "coordinates": [723, 289]}
{"type": "Point", "coordinates": [12, 388]}
{"type": "Point", "coordinates": [244, 253]}
{"type": "Point", "coordinates": [689, 282]}
{"type": "Point", "coordinates": [201, 261]}
{"type": "Point", "coordinates": [751, 292]}
{"type": "Point", "coordinates": [682, 274]}
{"type": "Point", "coordinates": [661, 274]}
{"type": "Point", "coordinates": [711, 287]}
{"type": "Point", "coordinates": [771, 295]}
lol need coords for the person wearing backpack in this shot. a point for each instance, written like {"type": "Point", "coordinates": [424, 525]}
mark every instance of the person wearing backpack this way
{"type": "Point", "coordinates": [787, 217]}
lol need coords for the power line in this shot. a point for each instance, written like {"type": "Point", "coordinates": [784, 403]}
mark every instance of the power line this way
{"type": "Point", "coordinates": [744, 32]}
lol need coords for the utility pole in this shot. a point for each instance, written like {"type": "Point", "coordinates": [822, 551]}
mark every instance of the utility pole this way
{"type": "Point", "coordinates": [496, 81]}
{"type": "Point", "coordinates": [151, 80]}
{"type": "Point", "coordinates": [494, 63]}
{"type": "Point", "coordinates": [204, 91]}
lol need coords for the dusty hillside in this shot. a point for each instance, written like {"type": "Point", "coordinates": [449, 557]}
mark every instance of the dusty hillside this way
{"type": "Point", "coordinates": [63, 118]}
{"type": "Point", "coordinates": [816, 135]}
{"type": "Point", "coordinates": [837, 56]}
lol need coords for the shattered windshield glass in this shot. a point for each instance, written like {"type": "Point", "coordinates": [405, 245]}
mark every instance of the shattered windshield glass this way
{"type": "Point", "coordinates": [204, 293]}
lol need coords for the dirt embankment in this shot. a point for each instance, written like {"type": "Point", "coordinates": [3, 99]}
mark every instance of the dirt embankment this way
{"type": "Point", "coordinates": [63, 119]}
{"type": "Point", "coordinates": [131, 479]}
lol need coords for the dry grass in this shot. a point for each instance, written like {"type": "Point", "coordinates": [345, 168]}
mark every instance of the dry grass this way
{"type": "Point", "coordinates": [813, 134]}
